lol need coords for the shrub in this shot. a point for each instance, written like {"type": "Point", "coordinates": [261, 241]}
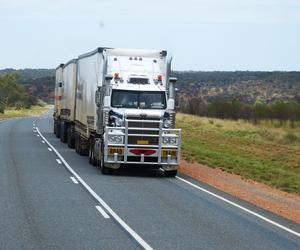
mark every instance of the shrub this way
{"type": "Point", "coordinates": [2, 108]}
{"type": "Point", "coordinates": [291, 137]}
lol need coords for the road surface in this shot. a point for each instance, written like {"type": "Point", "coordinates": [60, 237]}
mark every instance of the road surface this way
{"type": "Point", "coordinates": [51, 198]}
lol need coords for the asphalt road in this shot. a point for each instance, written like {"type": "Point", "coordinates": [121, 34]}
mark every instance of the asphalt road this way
{"type": "Point", "coordinates": [41, 207]}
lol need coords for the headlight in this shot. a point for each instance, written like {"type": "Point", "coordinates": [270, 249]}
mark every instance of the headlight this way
{"type": "Point", "coordinates": [169, 140]}
{"type": "Point", "coordinates": [167, 123]}
{"type": "Point", "coordinates": [119, 122]}
{"type": "Point", "coordinates": [116, 139]}
{"type": "Point", "coordinates": [115, 121]}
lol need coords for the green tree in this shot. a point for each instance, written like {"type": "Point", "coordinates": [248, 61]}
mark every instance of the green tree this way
{"type": "Point", "coordinates": [12, 93]}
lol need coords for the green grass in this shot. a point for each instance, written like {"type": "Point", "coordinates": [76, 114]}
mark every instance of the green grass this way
{"type": "Point", "coordinates": [266, 153]}
{"type": "Point", "coordinates": [34, 111]}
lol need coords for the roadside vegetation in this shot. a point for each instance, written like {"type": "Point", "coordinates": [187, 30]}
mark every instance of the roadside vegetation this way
{"type": "Point", "coordinates": [36, 110]}
{"type": "Point", "coordinates": [13, 94]}
{"type": "Point", "coordinates": [268, 151]}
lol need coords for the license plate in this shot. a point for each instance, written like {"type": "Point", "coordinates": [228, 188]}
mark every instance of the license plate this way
{"type": "Point", "coordinates": [119, 151]}
{"type": "Point", "coordinates": [142, 142]}
{"type": "Point", "coordinates": [166, 152]}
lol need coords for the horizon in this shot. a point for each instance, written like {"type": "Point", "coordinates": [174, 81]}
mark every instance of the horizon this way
{"type": "Point", "coordinates": [187, 71]}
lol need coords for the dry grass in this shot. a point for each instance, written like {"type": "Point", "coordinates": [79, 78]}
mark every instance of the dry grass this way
{"type": "Point", "coordinates": [264, 152]}
{"type": "Point", "coordinates": [34, 111]}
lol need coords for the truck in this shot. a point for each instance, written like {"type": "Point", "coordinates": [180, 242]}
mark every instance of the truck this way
{"type": "Point", "coordinates": [57, 98]}
{"type": "Point", "coordinates": [118, 107]}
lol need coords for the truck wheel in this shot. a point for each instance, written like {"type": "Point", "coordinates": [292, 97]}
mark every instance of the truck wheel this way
{"type": "Point", "coordinates": [57, 129]}
{"type": "Point", "coordinates": [103, 168]}
{"type": "Point", "coordinates": [54, 128]}
{"type": "Point", "coordinates": [171, 173]}
{"type": "Point", "coordinates": [70, 138]}
{"type": "Point", "coordinates": [92, 159]}
{"type": "Point", "coordinates": [63, 132]}
{"type": "Point", "coordinates": [81, 151]}
{"type": "Point", "coordinates": [77, 144]}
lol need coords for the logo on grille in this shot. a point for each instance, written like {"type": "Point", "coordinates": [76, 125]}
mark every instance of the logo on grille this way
{"type": "Point", "coordinates": [143, 115]}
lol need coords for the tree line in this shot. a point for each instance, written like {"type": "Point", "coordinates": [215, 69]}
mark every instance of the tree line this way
{"type": "Point", "coordinates": [13, 94]}
{"type": "Point", "coordinates": [234, 109]}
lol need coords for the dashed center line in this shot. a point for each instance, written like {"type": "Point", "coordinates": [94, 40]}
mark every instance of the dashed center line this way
{"type": "Point", "coordinates": [43, 141]}
{"type": "Point", "coordinates": [101, 211]}
{"type": "Point", "coordinates": [50, 149]}
{"type": "Point", "coordinates": [142, 242]}
{"type": "Point", "coordinates": [74, 180]}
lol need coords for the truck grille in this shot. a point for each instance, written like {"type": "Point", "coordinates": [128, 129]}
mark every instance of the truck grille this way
{"type": "Point", "coordinates": [142, 124]}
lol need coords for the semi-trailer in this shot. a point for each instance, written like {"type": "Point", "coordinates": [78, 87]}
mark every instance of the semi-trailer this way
{"type": "Point", "coordinates": [118, 107]}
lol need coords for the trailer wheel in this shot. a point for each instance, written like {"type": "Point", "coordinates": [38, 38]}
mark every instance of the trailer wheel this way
{"type": "Point", "coordinates": [171, 173]}
{"type": "Point", "coordinates": [77, 144]}
{"type": "Point", "coordinates": [54, 128]}
{"type": "Point", "coordinates": [70, 138]}
{"type": "Point", "coordinates": [63, 132]}
{"type": "Point", "coordinates": [57, 129]}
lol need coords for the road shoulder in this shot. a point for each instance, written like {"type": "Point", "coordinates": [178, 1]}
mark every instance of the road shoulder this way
{"type": "Point", "coordinates": [271, 199]}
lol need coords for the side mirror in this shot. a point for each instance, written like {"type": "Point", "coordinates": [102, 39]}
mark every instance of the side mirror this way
{"type": "Point", "coordinates": [172, 79]}
{"type": "Point", "coordinates": [108, 77]}
{"type": "Point", "coordinates": [60, 84]}
{"type": "Point", "coordinates": [177, 102]}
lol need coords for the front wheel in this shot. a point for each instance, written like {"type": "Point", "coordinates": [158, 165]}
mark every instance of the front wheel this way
{"type": "Point", "coordinates": [171, 173]}
{"type": "Point", "coordinates": [103, 168]}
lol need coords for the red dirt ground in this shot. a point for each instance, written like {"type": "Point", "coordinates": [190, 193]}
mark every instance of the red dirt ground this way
{"type": "Point", "coordinates": [276, 201]}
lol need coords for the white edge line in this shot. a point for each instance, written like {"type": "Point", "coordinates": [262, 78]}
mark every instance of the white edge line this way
{"type": "Point", "coordinates": [58, 161]}
{"type": "Point", "coordinates": [241, 207]}
{"type": "Point", "coordinates": [143, 243]}
{"type": "Point", "coordinates": [74, 180]}
{"type": "Point", "coordinates": [101, 211]}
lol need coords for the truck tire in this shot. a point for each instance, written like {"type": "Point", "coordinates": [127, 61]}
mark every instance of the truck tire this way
{"type": "Point", "coordinates": [103, 168]}
{"type": "Point", "coordinates": [57, 129]}
{"type": "Point", "coordinates": [70, 138]}
{"type": "Point", "coordinates": [63, 132]}
{"type": "Point", "coordinates": [78, 145]}
{"type": "Point", "coordinates": [171, 173]}
{"type": "Point", "coordinates": [54, 128]}
{"type": "Point", "coordinates": [92, 159]}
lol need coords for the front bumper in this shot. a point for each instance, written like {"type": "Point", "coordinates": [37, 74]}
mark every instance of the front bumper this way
{"type": "Point", "coordinates": [143, 146]}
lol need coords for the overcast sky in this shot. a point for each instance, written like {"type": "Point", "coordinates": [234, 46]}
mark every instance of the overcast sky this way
{"type": "Point", "coordinates": [201, 34]}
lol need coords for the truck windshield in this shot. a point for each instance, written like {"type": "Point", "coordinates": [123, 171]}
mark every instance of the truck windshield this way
{"type": "Point", "coordinates": [138, 99]}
